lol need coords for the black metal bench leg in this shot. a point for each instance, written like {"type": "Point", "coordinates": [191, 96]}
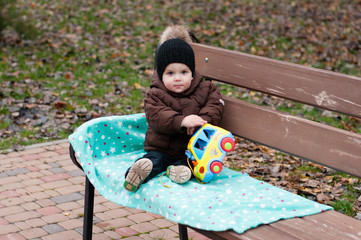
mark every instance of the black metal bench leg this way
{"type": "Point", "coordinates": [183, 234]}
{"type": "Point", "coordinates": [88, 210]}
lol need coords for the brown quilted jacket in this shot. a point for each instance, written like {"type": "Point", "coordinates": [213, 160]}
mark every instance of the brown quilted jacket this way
{"type": "Point", "coordinates": [165, 111]}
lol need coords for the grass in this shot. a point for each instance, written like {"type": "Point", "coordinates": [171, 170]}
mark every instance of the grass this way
{"type": "Point", "coordinates": [86, 53]}
{"type": "Point", "coordinates": [345, 206]}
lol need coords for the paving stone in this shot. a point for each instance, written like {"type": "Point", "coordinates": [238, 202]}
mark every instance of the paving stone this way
{"type": "Point", "coordinates": [10, 194]}
{"type": "Point", "coordinates": [67, 198]}
{"type": "Point", "coordinates": [28, 198]}
{"type": "Point", "coordinates": [30, 151]}
{"type": "Point", "coordinates": [155, 215]}
{"type": "Point", "coordinates": [22, 225]}
{"type": "Point", "coordinates": [65, 235]}
{"type": "Point", "coordinates": [33, 182]}
{"type": "Point", "coordinates": [11, 210]}
{"type": "Point", "coordinates": [35, 175]}
{"type": "Point", "coordinates": [18, 217]}
{"type": "Point", "coordinates": [71, 224]}
{"type": "Point", "coordinates": [163, 233]}
{"type": "Point", "coordinates": [31, 157]}
{"type": "Point", "coordinates": [76, 173]}
{"type": "Point", "coordinates": [3, 175]}
{"type": "Point", "coordinates": [46, 202]}
{"type": "Point", "coordinates": [112, 234]}
{"type": "Point", "coordinates": [57, 170]}
{"type": "Point", "coordinates": [8, 229]}
{"type": "Point", "coordinates": [78, 180]}
{"type": "Point", "coordinates": [70, 189]}
{"type": "Point", "coordinates": [112, 205]}
{"type": "Point", "coordinates": [80, 230]}
{"type": "Point", "coordinates": [14, 154]}
{"type": "Point", "coordinates": [63, 151]}
{"type": "Point", "coordinates": [52, 193]}
{"type": "Point", "coordinates": [126, 231]}
{"type": "Point", "coordinates": [15, 160]}
{"type": "Point", "coordinates": [134, 210]}
{"type": "Point", "coordinates": [140, 217]}
{"type": "Point", "coordinates": [36, 222]}
{"type": "Point", "coordinates": [144, 227]}
{"type": "Point", "coordinates": [76, 213]}
{"type": "Point", "coordinates": [115, 223]}
{"type": "Point", "coordinates": [55, 218]}
{"type": "Point", "coordinates": [32, 168]}
{"type": "Point", "coordinates": [34, 189]}
{"type": "Point", "coordinates": [56, 185]}
{"type": "Point", "coordinates": [56, 177]}
{"type": "Point", "coordinates": [103, 216]}
{"type": "Point", "coordinates": [39, 195]}
{"type": "Point", "coordinates": [116, 213]}
{"type": "Point", "coordinates": [12, 201]}
{"type": "Point", "coordinates": [54, 164]}
{"type": "Point", "coordinates": [48, 154]}
{"type": "Point", "coordinates": [53, 228]}
{"type": "Point", "coordinates": [30, 206]}
{"type": "Point", "coordinates": [6, 180]}
{"type": "Point", "coordinates": [3, 221]}
{"type": "Point", "coordinates": [33, 233]}
{"type": "Point", "coordinates": [46, 211]}
{"type": "Point", "coordinates": [101, 237]}
{"type": "Point", "coordinates": [162, 223]}
{"type": "Point", "coordinates": [47, 198]}
{"type": "Point", "coordinates": [15, 186]}
{"type": "Point", "coordinates": [69, 206]}
{"type": "Point", "coordinates": [12, 236]}
{"type": "Point", "coordinates": [17, 171]}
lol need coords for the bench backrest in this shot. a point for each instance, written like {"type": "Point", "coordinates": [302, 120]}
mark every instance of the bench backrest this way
{"type": "Point", "coordinates": [317, 142]}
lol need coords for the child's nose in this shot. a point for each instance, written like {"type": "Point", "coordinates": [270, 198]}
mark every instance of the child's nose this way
{"type": "Point", "coordinates": [178, 77]}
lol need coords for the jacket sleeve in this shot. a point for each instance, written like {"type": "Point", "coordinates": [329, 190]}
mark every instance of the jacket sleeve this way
{"type": "Point", "coordinates": [160, 117]}
{"type": "Point", "coordinates": [212, 111]}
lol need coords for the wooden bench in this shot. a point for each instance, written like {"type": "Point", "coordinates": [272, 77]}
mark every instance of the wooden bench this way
{"type": "Point", "coordinates": [316, 142]}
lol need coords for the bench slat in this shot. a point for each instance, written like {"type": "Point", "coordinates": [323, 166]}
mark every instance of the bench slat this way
{"type": "Point", "coordinates": [258, 233]}
{"type": "Point", "coordinates": [313, 141]}
{"type": "Point", "coordinates": [336, 222]}
{"type": "Point", "coordinates": [317, 87]}
{"type": "Point", "coordinates": [307, 230]}
{"type": "Point", "coordinates": [328, 225]}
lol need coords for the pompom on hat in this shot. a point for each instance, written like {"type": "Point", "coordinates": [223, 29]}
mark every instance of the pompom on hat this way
{"type": "Point", "coordinates": [174, 50]}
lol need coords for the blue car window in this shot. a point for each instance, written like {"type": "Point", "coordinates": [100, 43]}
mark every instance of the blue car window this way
{"type": "Point", "coordinates": [208, 133]}
{"type": "Point", "coordinates": [199, 148]}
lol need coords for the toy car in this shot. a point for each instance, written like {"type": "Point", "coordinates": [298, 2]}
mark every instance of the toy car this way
{"type": "Point", "coordinates": [206, 149]}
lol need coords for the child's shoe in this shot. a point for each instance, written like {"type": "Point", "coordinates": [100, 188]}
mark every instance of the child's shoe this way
{"type": "Point", "coordinates": [137, 173]}
{"type": "Point", "coordinates": [179, 174]}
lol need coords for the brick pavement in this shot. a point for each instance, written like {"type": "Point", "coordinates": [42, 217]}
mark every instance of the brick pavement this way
{"type": "Point", "coordinates": [42, 197]}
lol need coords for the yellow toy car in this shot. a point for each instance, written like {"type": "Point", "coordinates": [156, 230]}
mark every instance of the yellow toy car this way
{"type": "Point", "coordinates": [206, 149]}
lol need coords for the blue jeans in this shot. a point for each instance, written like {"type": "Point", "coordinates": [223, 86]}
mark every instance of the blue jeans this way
{"type": "Point", "coordinates": [160, 162]}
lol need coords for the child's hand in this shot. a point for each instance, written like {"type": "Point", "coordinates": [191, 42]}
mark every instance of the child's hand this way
{"type": "Point", "coordinates": [192, 121]}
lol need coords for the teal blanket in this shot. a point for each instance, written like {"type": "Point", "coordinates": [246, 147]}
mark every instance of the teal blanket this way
{"type": "Point", "coordinates": [106, 147]}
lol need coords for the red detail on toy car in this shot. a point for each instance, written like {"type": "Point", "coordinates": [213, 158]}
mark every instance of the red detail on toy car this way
{"type": "Point", "coordinates": [227, 144]}
{"type": "Point", "coordinates": [216, 167]}
{"type": "Point", "coordinates": [201, 170]}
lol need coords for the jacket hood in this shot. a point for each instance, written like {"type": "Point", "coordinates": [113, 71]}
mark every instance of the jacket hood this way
{"type": "Point", "coordinates": [157, 83]}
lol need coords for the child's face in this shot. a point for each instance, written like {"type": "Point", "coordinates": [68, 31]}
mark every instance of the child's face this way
{"type": "Point", "coordinates": [177, 77]}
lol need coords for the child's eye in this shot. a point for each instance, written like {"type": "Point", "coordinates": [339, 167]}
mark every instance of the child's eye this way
{"type": "Point", "coordinates": [170, 73]}
{"type": "Point", "coordinates": [184, 72]}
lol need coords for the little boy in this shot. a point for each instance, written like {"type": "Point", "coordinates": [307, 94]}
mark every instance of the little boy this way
{"type": "Point", "coordinates": [178, 102]}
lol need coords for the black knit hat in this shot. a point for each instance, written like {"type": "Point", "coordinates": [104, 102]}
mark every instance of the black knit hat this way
{"type": "Point", "coordinates": [174, 50]}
